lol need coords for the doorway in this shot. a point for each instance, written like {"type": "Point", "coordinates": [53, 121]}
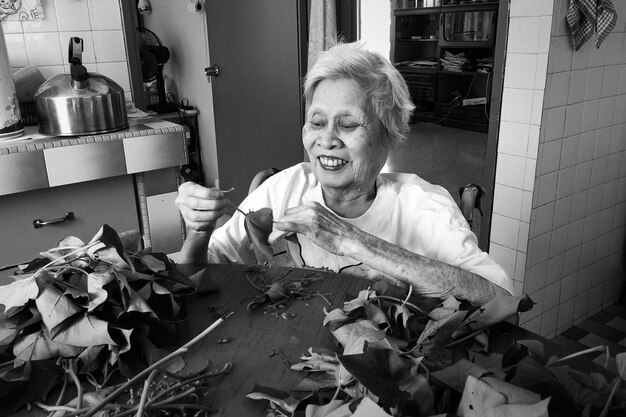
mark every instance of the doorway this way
{"type": "Point", "coordinates": [448, 154]}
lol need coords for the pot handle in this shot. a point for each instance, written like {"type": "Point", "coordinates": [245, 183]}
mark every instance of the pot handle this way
{"type": "Point", "coordinates": [75, 50]}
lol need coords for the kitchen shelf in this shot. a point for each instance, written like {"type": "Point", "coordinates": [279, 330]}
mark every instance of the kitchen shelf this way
{"type": "Point", "coordinates": [465, 32]}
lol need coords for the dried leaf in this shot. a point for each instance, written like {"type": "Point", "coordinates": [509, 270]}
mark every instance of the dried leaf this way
{"type": "Point", "coordinates": [539, 409]}
{"type": "Point", "coordinates": [17, 294]}
{"type": "Point", "coordinates": [258, 226]}
{"type": "Point", "coordinates": [498, 309]}
{"type": "Point", "coordinates": [55, 308]}
{"type": "Point", "coordinates": [38, 346]}
{"type": "Point", "coordinates": [478, 397]}
{"type": "Point", "coordinates": [281, 399]}
{"type": "Point", "coordinates": [84, 330]}
{"type": "Point", "coordinates": [393, 379]}
{"type": "Point", "coordinates": [368, 408]}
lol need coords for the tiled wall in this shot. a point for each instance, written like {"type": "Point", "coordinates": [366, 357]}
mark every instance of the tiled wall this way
{"type": "Point", "coordinates": [560, 197]}
{"type": "Point", "coordinates": [44, 43]}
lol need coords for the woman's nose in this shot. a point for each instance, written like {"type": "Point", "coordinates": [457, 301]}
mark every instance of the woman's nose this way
{"type": "Point", "coordinates": [328, 139]}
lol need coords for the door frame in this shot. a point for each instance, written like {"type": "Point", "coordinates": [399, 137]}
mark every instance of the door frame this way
{"type": "Point", "coordinates": [493, 133]}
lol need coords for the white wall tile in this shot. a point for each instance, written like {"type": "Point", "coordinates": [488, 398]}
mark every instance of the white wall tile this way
{"type": "Point", "coordinates": [541, 71]}
{"type": "Point", "coordinates": [597, 56]}
{"type": "Point", "coordinates": [109, 45]}
{"type": "Point", "coordinates": [520, 71]}
{"type": "Point", "coordinates": [11, 26]}
{"type": "Point", "coordinates": [529, 174]}
{"type": "Point", "coordinates": [520, 264]}
{"type": "Point", "coordinates": [587, 254]}
{"type": "Point", "coordinates": [570, 262]}
{"type": "Point", "coordinates": [72, 15]}
{"type": "Point", "coordinates": [618, 137]}
{"type": "Point", "coordinates": [117, 71]}
{"type": "Point", "coordinates": [610, 80]}
{"type": "Point", "coordinates": [49, 24]}
{"type": "Point", "coordinates": [581, 304]}
{"type": "Point", "coordinates": [507, 201]}
{"type": "Point", "coordinates": [551, 157]}
{"type": "Point", "coordinates": [603, 142]}
{"type": "Point", "coordinates": [575, 232]}
{"type": "Point", "coordinates": [598, 171]}
{"type": "Point", "coordinates": [559, 88]}
{"type": "Point", "coordinates": [594, 202]}
{"type": "Point", "coordinates": [51, 70]}
{"type": "Point", "coordinates": [544, 34]}
{"type": "Point", "coordinates": [16, 49]}
{"type": "Point", "coordinates": [548, 322]}
{"type": "Point", "coordinates": [607, 111]}
{"type": "Point", "coordinates": [613, 167]}
{"type": "Point", "coordinates": [525, 8]}
{"type": "Point", "coordinates": [590, 230]}
{"type": "Point", "coordinates": [508, 171]}
{"type": "Point", "coordinates": [513, 138]}
{"type": "Point", "coordinates": [560, 58]}
{"type": "Point", "coordinates": [621, 86]}
{"type": "Point", "coordinates": [535, 278]}
{"type": "Point", "coordinates": [527, 198]}
{"type": "Point", "coordinates": [524, 35]}
{"type": "Point", "coordinates": [568, 287]}
{"type": "Point", "coordinates": [586, 146]}
{"type": "Point", "coordinates": [43, 49]}
{"type": "Point", "coordinates": [620, 109]}
{"type": "Point", "coordinates": [614, 45]}
{"type": "Point", "coordinates": [543, 220]}
{"type": "Point", "coordinates": [553, 295]}
{"type": "Point", "coordinates": [562, 209]}
{"type": "Point", "coordinates": [573, 119]}
{"type": "Point", "coordinates": [580, 60]}
{"type": "Point", "coordinates": [533, 141]}
{"type": "Point", "coordinates": [595, 297]}
{"type": "Point", "coordinates": [537, 107]}
{"type": "Point", "coordinates": [569, 151]}
{"type": "Point", "coordinates": [591, 112]}
{"type": "Point", "coordinates": [595, 78]}
{"type": "Point", "coordinates": [555, 123]}
{"type": "Point", "coordinates": [578, 84]}
{"type": "Point", "coordinates": [516, 105]}
{"type": "Point", "coordinates": [504, 230]}
{"type": "Point", "coordinates": [566, 313]}
{"type": "Point", "coordinates": [104, 14]}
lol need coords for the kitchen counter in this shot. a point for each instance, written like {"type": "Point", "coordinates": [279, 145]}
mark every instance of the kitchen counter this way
{"type": "Point", "coordinates": [35, 161]}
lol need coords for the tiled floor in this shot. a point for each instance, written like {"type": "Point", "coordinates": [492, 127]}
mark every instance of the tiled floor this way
{"type": "Point", "coordinates": [606, 328]}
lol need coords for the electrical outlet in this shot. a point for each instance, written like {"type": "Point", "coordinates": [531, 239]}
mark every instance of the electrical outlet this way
{"type": "Point", "coordinates": [474, 101]}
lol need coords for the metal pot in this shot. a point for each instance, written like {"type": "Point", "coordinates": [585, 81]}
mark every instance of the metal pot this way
{"type": "Point", "coordinates": [80, 103]}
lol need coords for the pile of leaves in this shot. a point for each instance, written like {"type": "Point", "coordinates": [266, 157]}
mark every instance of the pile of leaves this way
{"type": "Point", "coordinates": [87, 310]}
{"type": "Point", "coordinates": [396, 358]}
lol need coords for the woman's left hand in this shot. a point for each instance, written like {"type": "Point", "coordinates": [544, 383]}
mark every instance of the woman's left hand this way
{"type": "Point", "coordinates": [315, 222]}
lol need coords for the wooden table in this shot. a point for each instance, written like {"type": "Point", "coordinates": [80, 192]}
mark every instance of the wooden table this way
{"type": "Point", "coordinates": [263, 345]}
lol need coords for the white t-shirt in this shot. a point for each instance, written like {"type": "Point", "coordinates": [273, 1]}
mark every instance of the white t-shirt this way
{"type": "Point", "coordinates": [407, 211]}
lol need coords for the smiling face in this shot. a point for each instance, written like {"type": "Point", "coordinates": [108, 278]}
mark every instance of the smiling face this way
{"type": "Point", "coordinates": [344, 139]}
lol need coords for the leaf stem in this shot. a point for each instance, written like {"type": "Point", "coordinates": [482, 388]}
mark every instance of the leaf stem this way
{"type": "Point", "coordinates": [230, 203]}
{"type": "Point", "coordinates": [155, 365]}
{"type": "Point", "coordinates": [616, 383]}
{"type": "Point", "coordinates": [49, 264]}
{"type": "Point", "coordinates": [582, 352]}
{"type": "Point", "coordinates": [144, 393]}
{"type": "Point", "coordinates": [397, 300]}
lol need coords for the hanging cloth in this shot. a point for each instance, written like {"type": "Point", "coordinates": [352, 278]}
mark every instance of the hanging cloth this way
{"type": "Point", "coordinates": [322, 28]}
{"type": "Point", "coordinates": [607, 18]}
{"type": "Point", "coordinates": [21, 10]}
{"type": "Point", "coordinates": [581, 18]}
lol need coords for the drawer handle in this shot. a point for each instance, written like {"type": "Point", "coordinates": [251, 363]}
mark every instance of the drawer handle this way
{"type": "Point", "coordinates": [38, 223]}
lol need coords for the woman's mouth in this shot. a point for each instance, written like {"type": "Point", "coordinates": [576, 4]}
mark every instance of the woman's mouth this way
{"type": "Point", "coordinates": [331, 163]}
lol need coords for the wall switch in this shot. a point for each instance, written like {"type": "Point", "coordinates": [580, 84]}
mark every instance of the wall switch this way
{"type": "Point", "coordinates": [474, 101]}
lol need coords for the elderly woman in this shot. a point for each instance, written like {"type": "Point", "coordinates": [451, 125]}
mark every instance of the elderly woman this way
{"type": "Point", "coordinates": [346, 215]}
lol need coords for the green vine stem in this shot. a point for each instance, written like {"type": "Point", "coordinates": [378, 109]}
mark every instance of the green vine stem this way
{"type": "Point", "coordinates": [582, 352]}
{"type": "Point", "coordinates": [616, 383]}
{"type": "Point", "coordinates": [155, 365]}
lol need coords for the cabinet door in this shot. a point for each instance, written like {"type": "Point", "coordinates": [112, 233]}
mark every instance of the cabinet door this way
{"type": "Point", "coordinates": [94, 203]}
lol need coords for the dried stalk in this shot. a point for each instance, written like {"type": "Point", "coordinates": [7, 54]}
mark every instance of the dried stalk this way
{"type": "Point", "coordinates": [152, 367]}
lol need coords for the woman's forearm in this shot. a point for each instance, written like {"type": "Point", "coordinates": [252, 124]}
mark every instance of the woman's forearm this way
{"type": "Point", "coordinates": [428, 277]}
{"type": "Point", "coordinates": [195, 247]}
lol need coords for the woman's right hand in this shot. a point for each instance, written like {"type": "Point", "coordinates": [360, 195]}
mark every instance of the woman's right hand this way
{"type": "Point", "coordinates": [200, 206]}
